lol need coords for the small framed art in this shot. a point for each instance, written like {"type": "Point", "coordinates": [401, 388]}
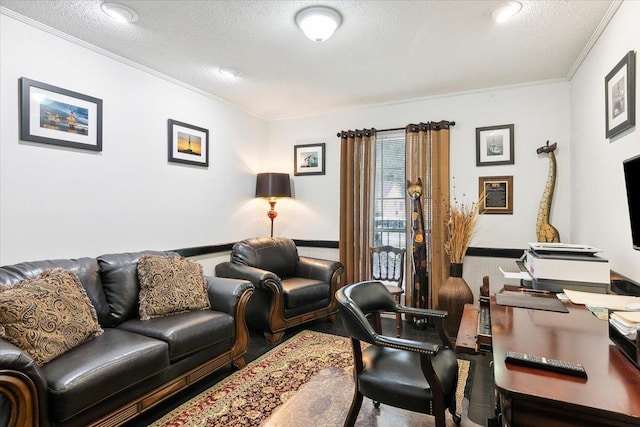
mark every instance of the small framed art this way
{"type": "Point", "coordinates": [498, 194]}
{"type": "Point", "coordinates": [620, 96]}
{"type": "Point", "coordinates": [308, 159]}
{"type": "Point", "coordinates": [57, 116]}
{"type": "Point", "coordinates": [494, 145]}
{"type": "Point", "coordinates": [188, 144]}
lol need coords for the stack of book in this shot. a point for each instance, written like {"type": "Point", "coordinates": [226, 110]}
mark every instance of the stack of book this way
{"type": "Point", "coordinates": [557, 266]}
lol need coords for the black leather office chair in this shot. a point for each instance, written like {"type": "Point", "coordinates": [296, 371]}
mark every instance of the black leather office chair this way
{"type": "Point", "coordinates": [412, 375]}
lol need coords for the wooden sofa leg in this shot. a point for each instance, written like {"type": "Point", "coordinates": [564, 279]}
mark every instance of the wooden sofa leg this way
{"type": "Point", "coordinates": [273, 338]}
{"type": "Point", "coordinates": [239, 363]}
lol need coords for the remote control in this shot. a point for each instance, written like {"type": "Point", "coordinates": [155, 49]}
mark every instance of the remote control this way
{"type": "Point", "coordinates": [561, 366]}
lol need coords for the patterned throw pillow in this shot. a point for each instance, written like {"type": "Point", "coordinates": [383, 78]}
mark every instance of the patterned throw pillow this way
{"type": "Point", "coordinates": [47, 315]}
{"type": "Point", "coordinates": [170, 285]}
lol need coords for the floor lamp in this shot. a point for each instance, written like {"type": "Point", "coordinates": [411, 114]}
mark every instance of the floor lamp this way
{"type": "Point", "coordinates": [272, 186]}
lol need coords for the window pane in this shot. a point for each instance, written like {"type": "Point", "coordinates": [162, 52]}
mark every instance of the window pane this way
{"type": "Point", "coordinates": [390, 222]}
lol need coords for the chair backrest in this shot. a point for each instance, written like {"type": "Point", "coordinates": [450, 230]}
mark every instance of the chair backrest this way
{"type": "Point", "coordinates": [387, 264]}
{"type": "Point", "coordinates": [359, 299]}
{"type": "Point", "coordinates": [276, 254]}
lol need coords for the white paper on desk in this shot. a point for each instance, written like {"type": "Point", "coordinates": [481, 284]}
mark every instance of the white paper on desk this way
{"type": "Point", "coordinates": [516, 276]}
{"type": "Point", "coordinates": [613, 302]}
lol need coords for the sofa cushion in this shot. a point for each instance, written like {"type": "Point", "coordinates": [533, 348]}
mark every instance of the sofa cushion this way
{"type": "Point", "coordinates": [299, 292]}
{"type": "Point", "coordinates": [120, 282]}
{"type": "Point", "coordinates": [85, 268]}
{"type": "Point", "coordinates": [101, 368]}
{"type": "Point", "coordinates": [170, 285]}
{"type": "Point", "coordinates": [277, 254]}
{"type": "Point", "coordinates": [185, 333]}
{"type": "Point", "coordinates": [47, 315]}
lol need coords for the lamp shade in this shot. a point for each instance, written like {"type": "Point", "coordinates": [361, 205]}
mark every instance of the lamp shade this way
{"type": "Point", "coordinates": [271, 185]}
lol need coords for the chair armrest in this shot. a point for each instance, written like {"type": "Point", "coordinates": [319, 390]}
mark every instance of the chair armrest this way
{"type": "Point", "coordinates": [438, 315]}
{"type": "Point", "coordinates": [408, 345]}
{"type": "Point", "coordinates": [24, 384]}
{"type": "Point", "coordinates": [255, 275]}
{"type": "Point", "coordinates": [423, 312]}
{"type": "Point", "coordinates": [317, 269]}
{"type": "Point", "coordinates": [224, 293]}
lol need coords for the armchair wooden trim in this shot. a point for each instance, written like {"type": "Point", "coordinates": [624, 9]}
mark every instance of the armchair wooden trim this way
{"type": "Point", "coordinates": [21, 393]}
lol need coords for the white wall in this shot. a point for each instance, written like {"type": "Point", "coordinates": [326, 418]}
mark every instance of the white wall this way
{"type": "Point", "coordinates": [600, 214]}
{"type": "Point", "coordinates": [58, 203]}
{"type": "Point", "coordinates": [539, 112]}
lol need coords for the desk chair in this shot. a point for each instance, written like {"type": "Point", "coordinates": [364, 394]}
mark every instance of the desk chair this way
{"type": "Point", "coordinates": [387, 266]}
{"type": "Point", "coordinates": [412, 375]}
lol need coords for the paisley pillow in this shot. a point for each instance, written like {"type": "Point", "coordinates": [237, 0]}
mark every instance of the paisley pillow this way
{"type": "Point", "coordinates": [47, 315]}
{"type": "Point", "coordinates": [170, 285]}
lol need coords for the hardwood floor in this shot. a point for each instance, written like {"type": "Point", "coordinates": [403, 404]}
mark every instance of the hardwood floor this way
{"type": "Point", "coordinates": [480, 402]}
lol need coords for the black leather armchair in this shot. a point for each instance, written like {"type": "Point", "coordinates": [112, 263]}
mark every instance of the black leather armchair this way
{"type": "Point", "coordinates": [289, 289]}
{"type": "Point", "coordinates": [412, 375]}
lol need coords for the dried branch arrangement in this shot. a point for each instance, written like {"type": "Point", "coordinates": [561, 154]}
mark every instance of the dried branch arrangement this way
{"type": "Point", "coordinates": [460, 226]}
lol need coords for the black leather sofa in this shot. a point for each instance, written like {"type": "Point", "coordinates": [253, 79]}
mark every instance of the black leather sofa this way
{"type": "Point", "coordinates": [134, 364]}
{"type": "Point", "coordinates": [289, 289]}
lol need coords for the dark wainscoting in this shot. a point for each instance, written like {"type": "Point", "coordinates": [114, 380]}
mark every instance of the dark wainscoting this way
{"type": "Point", "coordinates": [334, 244]}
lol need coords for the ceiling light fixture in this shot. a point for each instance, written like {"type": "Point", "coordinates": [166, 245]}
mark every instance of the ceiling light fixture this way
{"type": "Point", "coordinates": [119, 12]}
{"type": "Point", "coordinates": [230, 72]}
{"type": "Point", "coordinates": [318, 22]}
{"type": "Point", "coordinates": [505, 11]}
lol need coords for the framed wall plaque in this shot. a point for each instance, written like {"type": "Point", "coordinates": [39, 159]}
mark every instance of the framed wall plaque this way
{"type": "Point", "coordinates": [498, 194]}
{"type": "Point", "coordinates": [620, 95]}
{"type": "Point", "coordinates": [494, 145]}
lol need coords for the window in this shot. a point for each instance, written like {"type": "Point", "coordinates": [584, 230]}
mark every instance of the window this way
{"type": "Point", "coordinates": [390, 221]}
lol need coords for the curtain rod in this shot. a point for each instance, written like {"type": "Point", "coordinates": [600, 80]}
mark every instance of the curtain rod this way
{"type": "Point", "coordinates": [452, 123]}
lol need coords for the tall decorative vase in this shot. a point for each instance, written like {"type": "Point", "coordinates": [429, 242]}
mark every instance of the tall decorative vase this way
{"type": "Point", "coordinates": [452, 297]}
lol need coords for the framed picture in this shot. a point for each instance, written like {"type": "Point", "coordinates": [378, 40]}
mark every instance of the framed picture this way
{"type": "Point", "coordinates": [188, 144]}
{"type": "Point", "coordinates": [308, 159]}
{"type": "Point", "coordinates": [494, 145]}
{"type": "Point", "coordinates": [498, 194]}
{"type": "Point", "coordinates": [52, 115]}
{"type": "Point", "coordinates": [620, 96]}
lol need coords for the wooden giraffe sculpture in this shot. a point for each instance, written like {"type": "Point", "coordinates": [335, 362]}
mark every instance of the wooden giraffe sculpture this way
{"type": "Point", "coordinates": [419, 247]}
{"type": "Point", "coordinates": [546, 232]}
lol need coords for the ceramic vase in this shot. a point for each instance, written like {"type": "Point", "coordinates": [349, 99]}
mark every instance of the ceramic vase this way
{"type": "Point", "coordinates": [452, 297]}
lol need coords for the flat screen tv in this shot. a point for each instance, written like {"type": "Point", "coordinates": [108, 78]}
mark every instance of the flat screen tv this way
{"type": "Point", "coordinates": [632, 179]}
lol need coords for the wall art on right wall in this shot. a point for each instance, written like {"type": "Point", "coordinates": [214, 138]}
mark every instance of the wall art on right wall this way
{"type": "Point", "coordinates": [620, 96]}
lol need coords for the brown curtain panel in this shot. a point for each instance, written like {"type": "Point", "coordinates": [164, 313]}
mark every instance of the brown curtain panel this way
{"type": "Point", "coordinates": [357, 174]}
{"type": "Point", "coordinates": [427, 157]}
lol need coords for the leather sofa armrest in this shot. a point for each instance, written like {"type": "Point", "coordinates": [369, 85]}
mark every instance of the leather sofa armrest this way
{"type": "Point", "coordinates": [317, 269]}
{"type": "Point", "coordinates": [224, 293]}
{"type": "Point", "coordinates": [25, 385]}
{"type": "Point", "coordinates": [255, 275]}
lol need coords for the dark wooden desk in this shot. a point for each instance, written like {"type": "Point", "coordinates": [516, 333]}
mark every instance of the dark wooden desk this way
{"type": "Point", "coordinates": [531, 397]}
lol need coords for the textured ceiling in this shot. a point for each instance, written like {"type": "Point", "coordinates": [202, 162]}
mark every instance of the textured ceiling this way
{"type": "Point", "coordinates": [384, 51]}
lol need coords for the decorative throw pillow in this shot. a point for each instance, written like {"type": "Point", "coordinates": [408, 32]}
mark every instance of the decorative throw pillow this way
{"type": "Point", "coordinates": [170, 285]}
{"type": "Point", "coordinates": [47, 315]}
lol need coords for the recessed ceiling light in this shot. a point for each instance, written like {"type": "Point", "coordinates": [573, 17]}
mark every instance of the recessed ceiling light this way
{"type": "Point", "coordinates": [230, 72]}
{"type": "Point", "coordinates": [119, 12]}
{"type": "Point", "coordinates": [318, 22]}
{"type": "Point", "coordinates": [505, 11]}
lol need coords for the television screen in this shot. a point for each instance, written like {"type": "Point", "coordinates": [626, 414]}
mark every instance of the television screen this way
{"type": "Point", "coordinates": [632, 179]}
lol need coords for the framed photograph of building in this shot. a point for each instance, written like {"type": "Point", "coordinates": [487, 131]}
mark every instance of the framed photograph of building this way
{"type": "Point", "coordinates": [494, 145]}
{"type": "Point", "coordinates": [498, 194]}
{"type": "Point", "coordinates": [620, 96]}
{"type": "Point", "coordinates": [188, 144]}
{"type": "Point", "coordinates": [52, 115]}
{"type": "Point", "coordinates": [308, 159]}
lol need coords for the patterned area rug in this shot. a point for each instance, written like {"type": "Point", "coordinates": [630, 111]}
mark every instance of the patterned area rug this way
{"type": "Point", "coordinates": [306, 381]}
